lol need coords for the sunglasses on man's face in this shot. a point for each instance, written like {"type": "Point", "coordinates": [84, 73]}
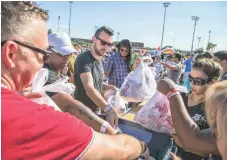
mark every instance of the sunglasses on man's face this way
{"type": "Point", "coordinates": [197, 81]}
{"type": "Point", "coordinates": [45, 53]}
{"type": "Point", "coordinates": [104, 43]}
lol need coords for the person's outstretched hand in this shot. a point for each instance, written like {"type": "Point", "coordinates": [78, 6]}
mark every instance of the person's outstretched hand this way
{"type": "Point", "coordinates": [165, 85]}
{"type": "Point", "coordinates": [112, 118]}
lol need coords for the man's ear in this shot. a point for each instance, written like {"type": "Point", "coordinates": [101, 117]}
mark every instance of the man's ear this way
{"type": "Point", "coordinates": [94, 39]}
{"type": "Point", "coordinates": [9, 51]}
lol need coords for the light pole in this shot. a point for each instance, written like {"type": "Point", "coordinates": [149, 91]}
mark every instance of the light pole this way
{"type": "Point", "coordinates": [70, 3]}
{"type": "Point", "coordinates": [118, 33]}
{"type": "Point", "coordinates": [209, 37]}
{"type": "Point", "coordinates": [166, 4]}
{"type": "Point", "coordinates": [58, 22]}
{"type": "Point", "coordinates": [194, 18]}
{"type": "Point", "coordinates": [199, 38]}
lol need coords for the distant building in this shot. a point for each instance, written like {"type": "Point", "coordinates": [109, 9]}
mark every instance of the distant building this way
{"type": "Point", "coordinates": [137, 45]}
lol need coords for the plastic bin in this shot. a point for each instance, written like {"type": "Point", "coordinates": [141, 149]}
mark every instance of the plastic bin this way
{"type": "Point", "coordinates": [159, 144]}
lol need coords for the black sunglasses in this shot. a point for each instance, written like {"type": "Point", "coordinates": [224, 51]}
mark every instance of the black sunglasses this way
{"type": "Point", "coordinates": [104, 43]}
{"type": "Point", "coordinates": [122, 50]}
{"type": "Point", "coordinates": [46, 53]}
{"type": "Point", "coordinates": [197, 81]}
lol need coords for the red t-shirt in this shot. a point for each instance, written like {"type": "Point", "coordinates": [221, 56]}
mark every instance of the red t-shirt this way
{"type": "Point", "coordinates": [33, 131]}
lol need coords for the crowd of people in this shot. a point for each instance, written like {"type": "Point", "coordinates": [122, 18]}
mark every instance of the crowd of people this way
{"type": "Point", "coordinates": [34, 131]}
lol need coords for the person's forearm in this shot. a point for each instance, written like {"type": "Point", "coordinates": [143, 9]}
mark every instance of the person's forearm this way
{"type": "Point", "coordinates": [68, 104]}
{"type": "Point", "coordinates": [96, 97]}
{"type": "Point", "coordinates": [171, 67]}
{"type": "Point", "coordinates": [122, 147]}
{"type": "Point", "coordinates": [87, 116]}
{"type": "Point", "coordinates": [189, 134]}
{"type": "Point", "coordinates": [132, 146]}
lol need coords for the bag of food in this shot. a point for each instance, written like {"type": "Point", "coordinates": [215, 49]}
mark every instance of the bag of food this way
{"type": "Point", "coordinates": [139, 85]}
{"type": "Point", "coordinates": [156, 115]}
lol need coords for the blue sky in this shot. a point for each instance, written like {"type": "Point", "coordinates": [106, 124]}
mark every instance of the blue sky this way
{"type": "Point", "coordinates": [142, 21]}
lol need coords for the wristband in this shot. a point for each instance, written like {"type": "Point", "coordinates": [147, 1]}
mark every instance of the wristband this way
{"type": "Point", "coordinates": [176, 93]}
{"type": "Point", "coordinates": [108, 108]}
{"type": "Point", "coordinates": [172, 93]}
{"type": "Point", "coordinates": [104, 127]}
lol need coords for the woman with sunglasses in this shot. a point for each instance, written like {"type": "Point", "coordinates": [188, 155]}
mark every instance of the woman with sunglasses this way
{"type": "Point", "coordinates": [204, 73]}
{"type": "Point", "coordinates": [117, 66]}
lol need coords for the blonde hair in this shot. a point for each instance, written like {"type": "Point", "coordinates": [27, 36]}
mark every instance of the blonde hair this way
{"type": "Point", "coordinates": [216, 104]}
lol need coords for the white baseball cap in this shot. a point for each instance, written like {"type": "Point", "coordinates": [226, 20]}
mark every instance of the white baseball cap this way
{"type": "Point", "coordinates": [61, 42]}
{"type": "Point", "coordinates": [150, 60]}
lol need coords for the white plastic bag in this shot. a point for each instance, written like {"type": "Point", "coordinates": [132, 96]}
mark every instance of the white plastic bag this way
{"type": "Point", "coordinates": [115, 101]}
{"type": "Point", "coordinates": [139, 85]}
{"type": "Point", "coordinates": [59, 86]}
{"type": "Point", "coordinates": [156, 115]}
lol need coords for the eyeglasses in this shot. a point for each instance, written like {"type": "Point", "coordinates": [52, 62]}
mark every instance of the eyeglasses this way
{"type": "Point", "coordinates": [46, 53]}
{"type": "Point", "coordinates": [104, 43]}
{"type": "Point", "coordinates": [124, 50]}
{"type": "Point", "coordinates": [197, 81]}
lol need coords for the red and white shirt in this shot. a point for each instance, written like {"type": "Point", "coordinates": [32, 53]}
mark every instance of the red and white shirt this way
{"type": "Point", "coordinates": [34, 131]}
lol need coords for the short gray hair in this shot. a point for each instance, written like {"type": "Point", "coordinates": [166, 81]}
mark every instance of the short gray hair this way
{"type": "Point", "coordinates": [17, 15]}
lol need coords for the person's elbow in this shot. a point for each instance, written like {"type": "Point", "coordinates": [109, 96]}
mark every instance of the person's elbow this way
{"type": "Point", "coordinates": [188, 141]}
{"type": "Point", "coordinates": [187, 147]}
{"type": "Point", "coordinates": [191, 142]}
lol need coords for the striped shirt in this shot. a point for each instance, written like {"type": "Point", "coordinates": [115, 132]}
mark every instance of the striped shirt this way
{"type": "Point", "coordinates": [117, 68]}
